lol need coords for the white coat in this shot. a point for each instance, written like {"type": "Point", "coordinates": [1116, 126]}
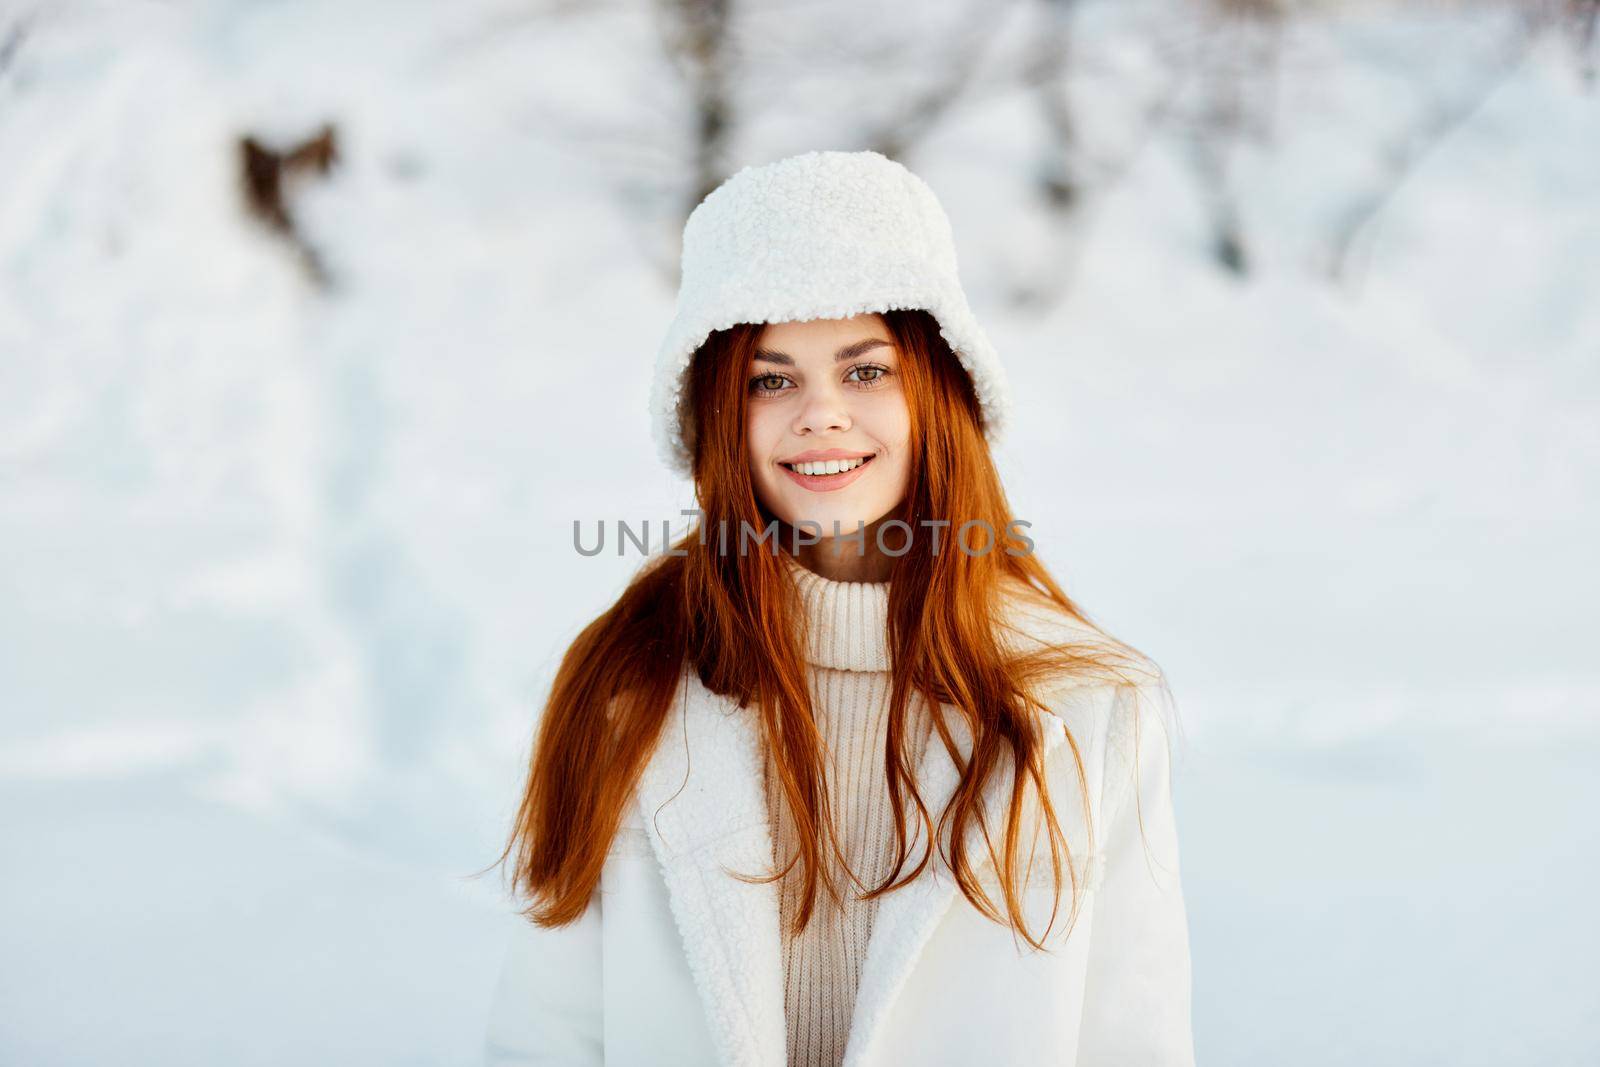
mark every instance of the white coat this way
{"type": "Point", "coordinates": [678, 963]}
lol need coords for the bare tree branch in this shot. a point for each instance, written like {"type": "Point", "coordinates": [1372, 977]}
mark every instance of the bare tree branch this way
{"type": "Point", "coordinates": [1246, 43]}
{"type": "Point", "coordinates": [1405, 154]}
{"type": "Point", "coordinates": [895, 137]}
{"type": "Point", "coordinates": [12, 44]}
{"type": "Point", "coordinates": [265, 175]}
{"type": "Point", "coordinates": [1582, 21]}
{"type": "Point", "coordinates": [1073, 174]}
{"type": "Point", "coordinates": [697, 38]}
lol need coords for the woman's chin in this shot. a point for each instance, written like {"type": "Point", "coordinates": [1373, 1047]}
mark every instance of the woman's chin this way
{"type": "Point", "coordinates": [834, 522]}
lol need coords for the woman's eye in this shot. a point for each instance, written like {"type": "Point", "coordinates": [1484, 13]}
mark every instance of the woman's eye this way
{"type": "Point", "coordinates": [767, 383]}
{"type": "Point", "coordinates": [874, 374]}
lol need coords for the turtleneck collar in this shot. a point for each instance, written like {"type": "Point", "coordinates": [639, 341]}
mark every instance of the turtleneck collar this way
{"type": "Point", "coordinates": [848, 621]}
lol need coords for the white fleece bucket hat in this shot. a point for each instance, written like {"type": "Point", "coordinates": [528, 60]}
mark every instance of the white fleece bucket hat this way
{"type": "Point", "coordinates": [819, 235]}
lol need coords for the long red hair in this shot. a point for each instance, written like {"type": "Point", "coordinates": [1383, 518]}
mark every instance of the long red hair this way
{"type": "Point", "coordinates": [735, 618]}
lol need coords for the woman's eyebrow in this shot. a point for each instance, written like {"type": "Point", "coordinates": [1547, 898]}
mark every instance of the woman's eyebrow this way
{"type": "Point", "coordinates": [850, 351]}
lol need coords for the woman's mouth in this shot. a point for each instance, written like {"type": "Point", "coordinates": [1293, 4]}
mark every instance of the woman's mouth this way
{"type": "Point", "coordinates": [826, 475]}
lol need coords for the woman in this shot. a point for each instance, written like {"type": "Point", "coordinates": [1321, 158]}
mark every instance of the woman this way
{"type": "Point", "coordinates": [725, 832]}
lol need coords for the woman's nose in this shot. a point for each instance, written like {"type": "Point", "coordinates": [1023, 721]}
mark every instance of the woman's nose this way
{"type": "Point", "coordinates": [822, 411]}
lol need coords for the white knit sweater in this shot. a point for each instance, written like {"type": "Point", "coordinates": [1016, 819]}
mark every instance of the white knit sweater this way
{"type": "Point", "coordinates": [848, 667]}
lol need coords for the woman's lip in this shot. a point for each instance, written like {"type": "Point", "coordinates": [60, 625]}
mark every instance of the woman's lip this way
{"type": "Point", "coordinates": [825, 483]}
{"type": "Point", "coordinates": [827, 453]}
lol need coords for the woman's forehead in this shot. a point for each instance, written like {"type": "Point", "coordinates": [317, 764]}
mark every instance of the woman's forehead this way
{"type": "Point", "coordinates": [822, 333]}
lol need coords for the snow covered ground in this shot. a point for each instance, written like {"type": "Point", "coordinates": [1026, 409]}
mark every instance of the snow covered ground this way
{"type": "Point", "coordinates": [285, 573]}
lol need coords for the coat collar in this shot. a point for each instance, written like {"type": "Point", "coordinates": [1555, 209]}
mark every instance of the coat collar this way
{"type": "Point", "coordinates": [707, 815]}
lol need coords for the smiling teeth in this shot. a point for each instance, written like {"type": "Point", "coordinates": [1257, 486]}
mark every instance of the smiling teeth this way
{"type": "Point", "coordinates": [827, 466]}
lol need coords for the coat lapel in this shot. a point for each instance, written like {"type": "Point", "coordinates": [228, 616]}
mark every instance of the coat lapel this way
{"type": "Point", "coordinates": [703, 803]}
{"type": "Point", "coordinates": [907, 917]}
{"type": "Point", "coordinates": [704, 807]}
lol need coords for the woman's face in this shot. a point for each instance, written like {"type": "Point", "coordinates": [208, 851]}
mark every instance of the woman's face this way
{"type": "Point", "coordinates": [825, 395]}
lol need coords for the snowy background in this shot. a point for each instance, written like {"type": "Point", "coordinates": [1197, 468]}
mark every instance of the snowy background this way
{"type": "Point", "coordinates": [1302, 303]}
